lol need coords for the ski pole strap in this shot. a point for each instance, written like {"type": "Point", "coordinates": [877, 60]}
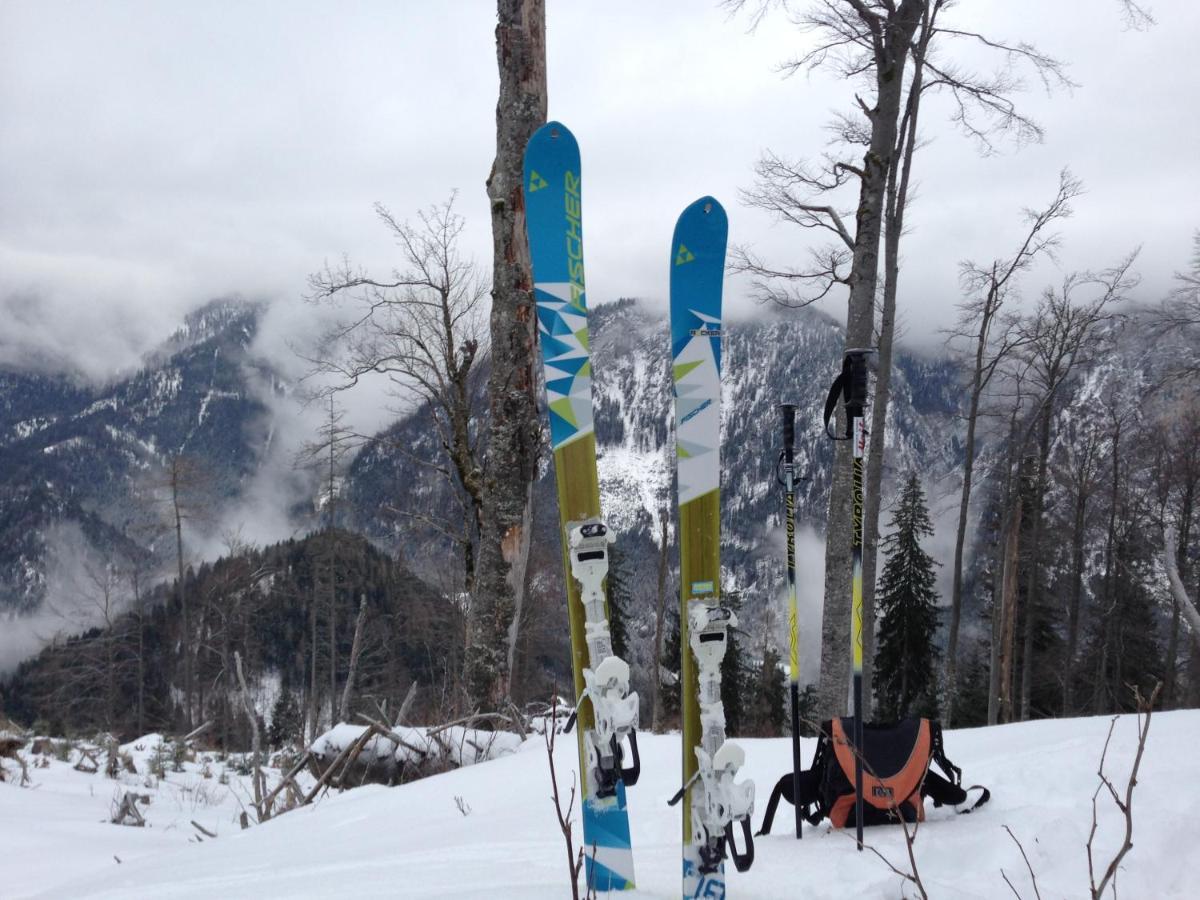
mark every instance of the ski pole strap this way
{"type": "Point", "coordinates": [683, 790]}
{"type": "Point", "coordinates": [984, 798]}
{"type": "Point", "coordinates": [836, 390]}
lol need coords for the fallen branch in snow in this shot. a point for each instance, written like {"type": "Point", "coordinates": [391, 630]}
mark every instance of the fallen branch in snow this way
{"type": "Point", "coordinates": [1145, 707]}
{"type": "Point", "coordinates": [204, 831]}
{"type": "Point", "coordinates": [574, 860]}
{"type": "Point", "coordinates": [289, 778]}
{"type": "Point", "coordinates": [196, 732]}
{"type": "Point", "coordinates": [127, 813]}
{"type": "Point", "coordinates": [87, 761]}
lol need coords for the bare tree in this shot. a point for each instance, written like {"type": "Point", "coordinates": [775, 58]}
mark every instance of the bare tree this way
{"type": "Point", "coordinates": [899, 50]}
{"type": "Point", "coordinates": [1178, 592]}
{"type": "Point", "coordinates": [514, 436]}
{"type": "Point", "coordinates": [1061, 334]}
{"type": "Point", "coordinates": [1080, 472]}
{"type": "Point", "coordinates": [422, 327]}
{"type": "Point", "coordinates": [993, 336]}
{"type": "Point", "coordinates": [1183, 461]}
{"type": "Point", "coordinates": [659, 616]}
{"type": "Point", "coordinates": [1179, 315]}
{"type": "Point", "coordinates": [186, 485]}
{"type": "Point", "coordinates": [355, 653]}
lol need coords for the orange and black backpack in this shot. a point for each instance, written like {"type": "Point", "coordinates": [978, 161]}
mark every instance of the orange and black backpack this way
{"type": "Point", "coordinates": [896, 776]}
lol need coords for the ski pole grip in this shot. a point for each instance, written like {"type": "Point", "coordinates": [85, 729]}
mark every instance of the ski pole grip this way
{"type": "Point", "coordinates": [789, 425]}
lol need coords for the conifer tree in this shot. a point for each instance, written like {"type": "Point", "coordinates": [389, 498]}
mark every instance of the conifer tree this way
{"type": "Point", "coordinates": [670, 663]}
{"type": "Point", "coordinates": [736, 676]}
{"type": "Point", "coordinates": [906, 655]}
{"type": "Point", "coordinates": [619, 591]}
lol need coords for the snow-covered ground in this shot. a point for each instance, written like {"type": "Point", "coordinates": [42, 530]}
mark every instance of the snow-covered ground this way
{"type": "Point", "coordinates": [414, 841]}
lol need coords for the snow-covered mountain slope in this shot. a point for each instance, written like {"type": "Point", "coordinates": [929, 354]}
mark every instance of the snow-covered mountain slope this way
{"type": "Point", "coordinates": [413, 840]}
{"type": "Point", "coordinates": [73, 458]}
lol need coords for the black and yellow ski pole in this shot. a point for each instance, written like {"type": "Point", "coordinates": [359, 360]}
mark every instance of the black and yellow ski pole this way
{"type": "Point", "coordinates": [852, 385]}
{"type": "Point", "coordinates": [789, 494]}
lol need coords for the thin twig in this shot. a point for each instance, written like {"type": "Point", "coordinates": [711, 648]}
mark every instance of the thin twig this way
{"type": "Point", "coordinates": [1032, 876]}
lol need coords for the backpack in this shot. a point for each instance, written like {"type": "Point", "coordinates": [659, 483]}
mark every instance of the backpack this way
{"type": "Point", "coordinates": [896, 776]}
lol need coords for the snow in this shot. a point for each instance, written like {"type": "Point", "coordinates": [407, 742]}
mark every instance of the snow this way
{"type": "Point", "coordinates": [55, 840]}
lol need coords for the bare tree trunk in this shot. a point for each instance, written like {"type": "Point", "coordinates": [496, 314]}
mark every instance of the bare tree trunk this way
{"type": "Point", "coordinates": [1078, 533]}
{"type": "Point", "coordinates": [255, 739]}
{"type": "Point", "coordinates": [1185, 603]}
{"type": "Point", "coordinates": [1009, 604]}
{"type": "Point", "coordinates": [186, 643]}
{"type": "Point", "coordinates": [1185, 527]}
{"type": "Point", "coordinates": [352, 668]}
{"type": "Point", "coordinates": [314, 702]}
{"type": "Point", "coordinates": [960, 535]}
{"type": "Point", "coordinates": [331, 601]}
{"type": "Point", "coordinates": [896, 204]}
{"type": "Point", "coordinates": [891, 54]}
{"type": "Point", "coordinates": [514, 431]}
{"type": "Point", "coordinates": [1100, 693]}
{"type": "Point", "coordinates": [660, 612]}
{"type": "Point", "coordinates": [1033, 591]}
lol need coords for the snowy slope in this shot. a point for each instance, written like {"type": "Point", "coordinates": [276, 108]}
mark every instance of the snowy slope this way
{"type": "Point", "coordinates": [413, 841]}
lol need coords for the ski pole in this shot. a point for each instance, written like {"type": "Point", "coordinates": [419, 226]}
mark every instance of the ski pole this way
{"type": "Point", "coordinates": [789, 494]}
{"type": "Point", "coordinates": [852, 385]}
{"type": "Point", "coordinates": [856, 399]}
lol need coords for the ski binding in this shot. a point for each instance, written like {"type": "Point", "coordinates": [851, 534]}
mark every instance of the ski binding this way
{"type": "Point", "coordinates": [723, 800]}
{"type": "Point", "coordinates": [606, 682]}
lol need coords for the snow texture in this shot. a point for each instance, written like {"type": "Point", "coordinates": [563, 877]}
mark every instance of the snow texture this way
{"type": "Point", "coordinates": [55, 840]}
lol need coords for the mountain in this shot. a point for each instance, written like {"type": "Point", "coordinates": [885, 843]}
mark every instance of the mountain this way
{"type": "Point", "coordinates": [767, 358]}
{"type": "Point", "coordinates": [81, 459]}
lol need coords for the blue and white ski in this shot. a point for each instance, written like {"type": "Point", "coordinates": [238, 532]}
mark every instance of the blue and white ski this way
{"type": "Point", "coordinates": [607, 709]}
{"type": "Point", "coordinates": [713, 800]}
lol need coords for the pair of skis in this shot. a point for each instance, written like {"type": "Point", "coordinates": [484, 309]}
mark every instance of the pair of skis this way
{"type": "Point", "coordinates": [607, 710]}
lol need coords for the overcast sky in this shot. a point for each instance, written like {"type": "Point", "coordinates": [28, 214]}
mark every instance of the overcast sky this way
{"type": "Point", "coordinates": [154, 155]}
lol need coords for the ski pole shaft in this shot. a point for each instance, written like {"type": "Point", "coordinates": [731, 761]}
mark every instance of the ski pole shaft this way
{"type": "Point", "coordinates": [789, 485]}
{"type": "Point", "coordinates": [856, 551]}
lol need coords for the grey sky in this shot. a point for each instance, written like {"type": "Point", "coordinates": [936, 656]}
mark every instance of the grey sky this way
{"type": "Point", "coordinates": [155, 154]}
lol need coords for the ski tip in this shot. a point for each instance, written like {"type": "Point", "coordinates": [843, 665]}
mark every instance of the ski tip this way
{"type": "Point", "coordinates": [707, 207]}
{"type": "Point", "coordinates": [706, 216]}
{"type": "Point", "coordinates": [553, 131]}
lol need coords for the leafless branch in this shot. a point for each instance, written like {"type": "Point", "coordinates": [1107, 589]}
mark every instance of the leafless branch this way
{"type": "Point", "coordinates": [574, 860]}
{"type": "Point", "coordinates": [1032, 876]}
{"type": "Point", "coordinates": [1145, 708]}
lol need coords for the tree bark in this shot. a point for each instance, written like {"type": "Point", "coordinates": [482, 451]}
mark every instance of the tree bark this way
{"type": "Point", "coordinates": [514, 431]}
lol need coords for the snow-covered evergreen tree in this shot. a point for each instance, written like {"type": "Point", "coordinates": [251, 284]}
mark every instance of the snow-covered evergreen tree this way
{"type": "Point", "coordinates": [906, 655]}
